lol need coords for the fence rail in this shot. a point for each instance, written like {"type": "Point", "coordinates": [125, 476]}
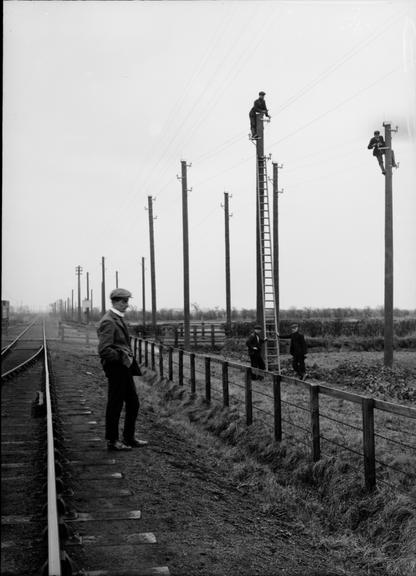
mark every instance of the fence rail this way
{"type": "Point", "coordinates": [278, 397]}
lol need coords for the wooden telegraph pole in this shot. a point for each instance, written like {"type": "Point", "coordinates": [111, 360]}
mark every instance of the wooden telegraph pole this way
{"type": "Point", "coordinates": [103, 286]}
{"type": "Point", "coordinates": [186, 297]}
{"type": "Point", "coordinates": [116, 278]}
{"type": "Point", "coordinates": [87, 311]}
{"type": "Point", "coordinates": [388, 251]}
{"type": "Point", "coordinates": [152, 263]}
{"type": "Point", "coordinates": [276, 193]}
{"type": "Point", "coordinates": [78, 272]}
{"type": "Point", "coordinates": [259, 192]}
{"type": "Point", "coordinates": [227, 263]}
{"type": "Point", "coordinates": [143, 292]}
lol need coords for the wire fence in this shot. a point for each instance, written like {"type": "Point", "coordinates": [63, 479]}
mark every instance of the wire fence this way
{"type": "Point", "coordinates": [378, 438]}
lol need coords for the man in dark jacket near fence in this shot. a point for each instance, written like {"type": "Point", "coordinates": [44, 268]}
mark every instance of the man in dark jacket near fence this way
{"type": "Point", "coordinates": [120, 367]}
{"type": "Point", "coordinates": [297, 349]}
{"type": "Point", "coordinates": [254, 344]}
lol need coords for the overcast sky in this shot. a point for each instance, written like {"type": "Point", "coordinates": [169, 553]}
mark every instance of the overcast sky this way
{"type": "Point", "coordinates": [102, 100]}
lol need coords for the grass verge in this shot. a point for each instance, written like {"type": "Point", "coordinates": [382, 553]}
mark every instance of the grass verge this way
{"type": "Point", "coordinates": [324, 500]}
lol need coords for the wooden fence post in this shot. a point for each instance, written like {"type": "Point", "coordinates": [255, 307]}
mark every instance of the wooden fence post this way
{"type": "Point", "coordinates": [367, 408]}
{"type": "Point", "coordinates": [140, 351]}
{"type": "Point", "coordinates": [161, 361]}
{"type": "Point", "coordinates": [180, 367]}
{"type": "Point", "coordinates": [314, 411]}
{"type": "Point", "coordinates": [176, 337]}
{"type": "Point", "coordinates": [225, 389]}
{"type": "Point", "coordinates": [212, 336]}
{"type": "Point", "coordinates": [195, 336]}
{"type": "Point", "coordinates": [277, 401]}
{"type": "Point", "coordinates": [203, 330]}
{"type": "Point", "coordinates": [208, 379]}
{"type": "Point", "coordinates": [152, 349]}
{"type": "Point", "coordinates": [146, 353]}
{"type": "Point", "coordinates": [170, 363]}
{"type": "Point", "coordinates": [249, 398]}
{"type": "Point", "coordinates": [193, 381]}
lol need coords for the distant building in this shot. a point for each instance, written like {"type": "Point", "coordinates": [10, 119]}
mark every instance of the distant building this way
{"type": "Point", "coordinates": [5, 313]}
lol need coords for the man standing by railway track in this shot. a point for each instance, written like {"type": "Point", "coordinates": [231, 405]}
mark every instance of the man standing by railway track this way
{"type": "Point", "coordinates": [119, 366]}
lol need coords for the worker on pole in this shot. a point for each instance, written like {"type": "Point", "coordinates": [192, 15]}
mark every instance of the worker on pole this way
{"type": "Point", "coordinates": [378, 146]}
{"type": "Point", "coordinates": [259, 107]}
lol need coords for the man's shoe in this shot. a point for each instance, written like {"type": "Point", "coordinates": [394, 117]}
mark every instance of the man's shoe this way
{"type": "Point", "coordinates": [135, 443]}
{"type": "Point", "coordinates": [118, 446]}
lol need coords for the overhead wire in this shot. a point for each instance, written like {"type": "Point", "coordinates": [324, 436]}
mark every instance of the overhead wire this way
{"type": "Point", "coordinates": [144, 184]}
{"type": "Point", "coordinates": [215, 98]}
{"type": "Point", "coordinates": [220, 32]}
{"type": "Point", "coordinates": [243, 57]}
{"type": "Point", "coordinates": [345, 58]}
{"type": "Point", "coordinates": [322, 76]}
{"type": "Point", "coordinates": [295, 97]}
{"type": "Point", "coordinates": [320, 116]}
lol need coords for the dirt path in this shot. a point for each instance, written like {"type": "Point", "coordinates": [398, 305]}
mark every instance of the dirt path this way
{"type": "Point", "coordinates": [204, 524]}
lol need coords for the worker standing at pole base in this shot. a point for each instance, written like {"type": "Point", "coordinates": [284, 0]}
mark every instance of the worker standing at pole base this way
{"type": "Point", "coordinates": [254, 344]}
{"type": "Point", "coordinates": [298, 349]}
{"type": "Point", "coordinates": [378, 146]}
{"type": "Point", "coordinates": [259, 107]}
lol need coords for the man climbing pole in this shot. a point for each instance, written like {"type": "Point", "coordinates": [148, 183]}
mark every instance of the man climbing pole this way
{"type": "Point", "coordinates": [379, 147]}
{"type": "Point", "coordinates": [259, 107]}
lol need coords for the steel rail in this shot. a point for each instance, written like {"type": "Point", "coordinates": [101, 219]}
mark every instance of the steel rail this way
{"type": "Point", "coordinates": [54, 548]}
{"type": "Point", "coordinates": [10, 346]}
{"type": "Point", "coordinates": [22, 364]}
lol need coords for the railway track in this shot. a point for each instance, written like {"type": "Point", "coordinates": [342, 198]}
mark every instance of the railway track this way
{"type": "Point", "coordinates": [66, 506]}
{"type": "Point", "coordinates": [25, 348]}
{"type": "Point", "coordinates": [23, 500]}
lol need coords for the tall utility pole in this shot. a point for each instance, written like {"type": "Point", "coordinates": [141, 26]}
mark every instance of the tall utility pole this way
{"type": "Point", "coordinates": [143, 292]}
{"type": "Point", "coordinates": [78, 272]}
{"type": "Point", "coordinates": [259, 193]}
{"type": "Point", "coordinates": [116, 278]}
{"type": "Point", "coordinates": [92, 300]}
{"type": "Point", "coordinates": [87, 311]}
{"type": "Point", "coordinates": [103, 285]}
{"type": "Point", "coordinates": [72, 304]}
{"type": "Point", "coordinates": [152, 262]}
{"type": "Point", "coordinates": [388, 251]}
{"type": "Point", "coordinates": [276, 192]}
{"type": "Point", "coordinates": [186, 297]}
{"type": "Point", "coordinates": [227, 263]}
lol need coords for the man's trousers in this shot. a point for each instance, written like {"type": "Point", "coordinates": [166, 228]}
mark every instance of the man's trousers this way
{"type": "Point", "coordinates": [256, 360]}
{"type": "Point", "coordinates": [298, 363]}
{"type": "Point", "coordinates": [121, 389]}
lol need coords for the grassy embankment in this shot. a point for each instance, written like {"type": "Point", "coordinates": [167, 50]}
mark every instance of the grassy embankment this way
{"type": "Point", "coordinates": [324, 499]}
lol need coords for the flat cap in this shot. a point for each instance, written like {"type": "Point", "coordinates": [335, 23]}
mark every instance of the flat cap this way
{"type": "Point", "coordinates": [262, 93]}
{"type": "Point", "coordinates": [120, 293]}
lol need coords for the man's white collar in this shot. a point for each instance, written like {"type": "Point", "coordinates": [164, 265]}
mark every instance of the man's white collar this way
{"type": "Point", "coordinates": [117, 312]}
